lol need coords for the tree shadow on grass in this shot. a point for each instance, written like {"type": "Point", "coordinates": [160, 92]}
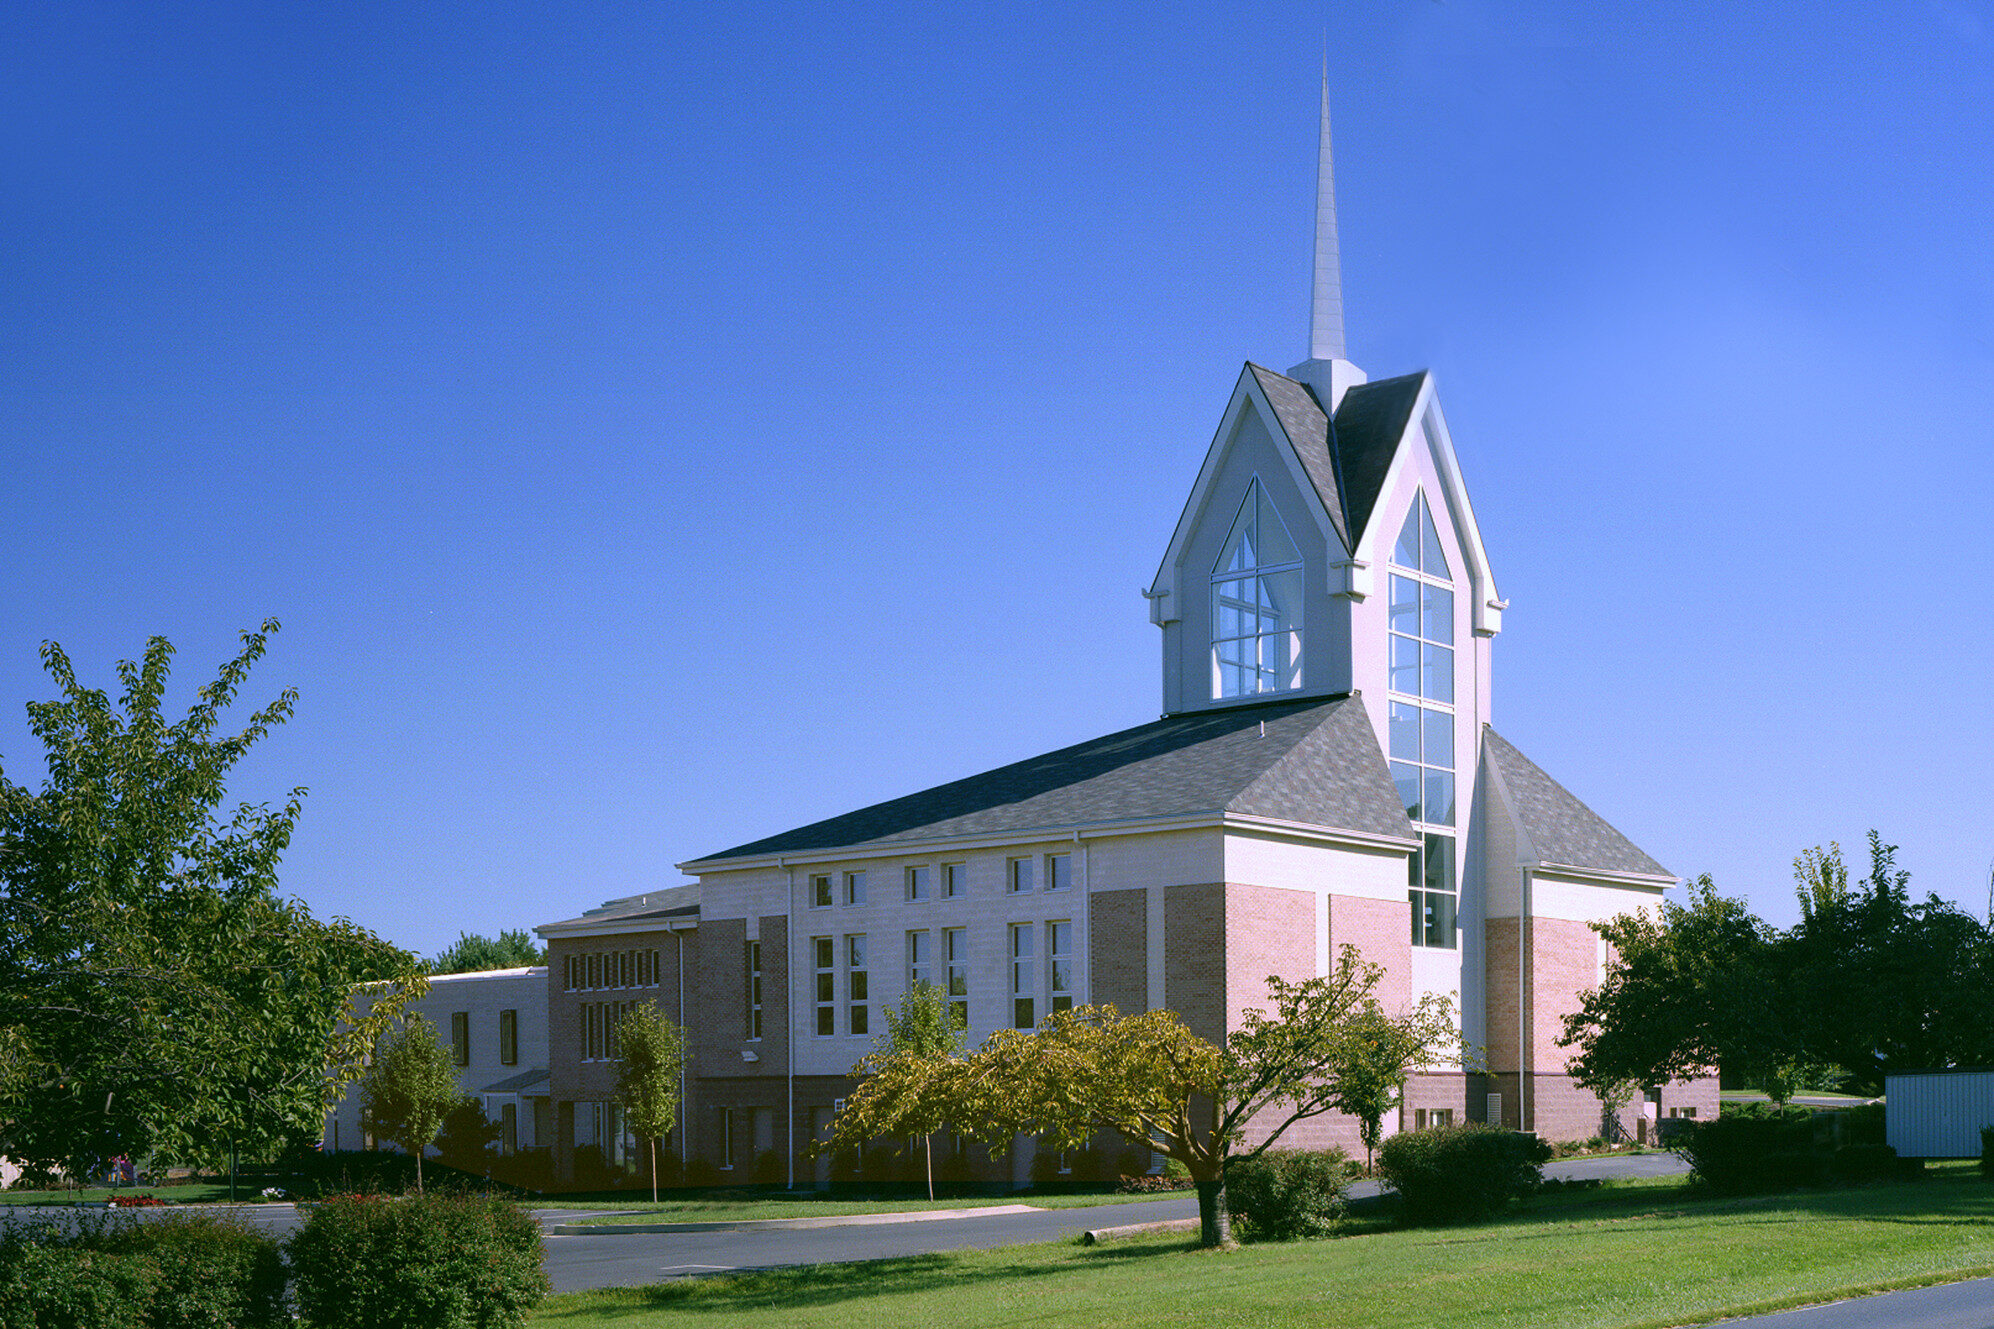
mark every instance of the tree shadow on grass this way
{"type": "Point", "coordinates": [830, 1284]}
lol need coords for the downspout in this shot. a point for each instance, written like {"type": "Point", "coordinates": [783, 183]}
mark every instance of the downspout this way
{"type": "Point", "coordinates": [685, 1132]}
{"type": "Point", "coordinates": [789, 1015]}
{"type": "Point", "coordinates": [1085, 938]}
{"type": "Point", "coordinates": [1522, 1015]}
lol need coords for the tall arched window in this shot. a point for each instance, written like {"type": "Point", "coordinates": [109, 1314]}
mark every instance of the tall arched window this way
{"type": "Point", "coordinates": [1256, 604]}
{"type": "Point", "coordinates": [1422, 718]}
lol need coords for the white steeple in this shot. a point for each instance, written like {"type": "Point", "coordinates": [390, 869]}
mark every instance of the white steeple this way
{"type": "Point", "coordinates": [1326, 370]}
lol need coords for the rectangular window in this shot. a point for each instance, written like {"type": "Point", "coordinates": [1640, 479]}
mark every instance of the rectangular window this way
{"type": "Point", "coordinates": [460, 1037]}
{"type": "Point", "coordinates": [643, 969]}
{"type": "Point", "coordinates": [855, 888]}
{"type": "Point", "coordinates": [509, 1128]}
{"type": "Point", "coordinates": [919, 969]}
{"type": "Point", "coordinates": [856, 993]}
{"type": "Point", "coordinates": [820, 892]}
{"type": "Point", "coordinates": [1059, 965]}
{"type": "Point", "coordinates": [920, 883]}
{"type": "Point", "coordinates": [1021, 875]}
{"type": "Point", "coordinates": [825, 954]}
{"type": "Point", "coordinates": [591, 970]}
{"type": "Point", "coordinates": [1431, 886]}
{"type": "Point", "coordinates": [508, 1038]}
{"type": "Point", "coordinates": [1428, 1118]}
{"type": "Point", "coordinates": [1059, 872]}
{"type": "Point", "coordinates": [567, 973]}
{"type": "Point", "coordinates": [955, 954]}
{"type": "Point", "coordinates": [727, 1138]}
{"type": "Point", "coordinates": [955, 880]}
{"type": "Point", "coordinates": [754, 990]}
{"type": "Point", "coordinates": [1024, 977]}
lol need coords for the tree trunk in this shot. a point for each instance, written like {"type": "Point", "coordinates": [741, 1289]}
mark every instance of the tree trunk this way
{"type": "Point", "coordinates": [928, 1143]}
{"type": "Point", "coordinates": [1214, 1217]}
{"type": "Point", "coordinates": [654, 1171]}
{"type": "Point", "coordinates": [418, 1169]}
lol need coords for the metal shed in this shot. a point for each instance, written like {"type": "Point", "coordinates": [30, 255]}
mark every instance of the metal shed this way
{"type": "Point", "coordinates": [1938, 1114]}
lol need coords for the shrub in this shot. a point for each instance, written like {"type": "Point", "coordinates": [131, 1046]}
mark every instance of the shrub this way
{"type": "Point", "coordinates": [45, 1285]}
{"type": "Point", "coordinates": [1749, 1152]}
{"type": "Point", "coordinates": [1859, 1163]}
{"type": "Point", "coordinates": [1987, 1151]}
{"type": "Point", "coordinates": [1451, 1173]}
{"type": "Point", "coordinates": [426, 1262]}
{"type": "Point", "coordinates": [1860, 1125]}
{"type": "Point", "coordinates": [1289, 1193]}
{"type": "Point", "coordinates": [769, 1168]}
{"type": "Point", "coordinates": [702, 1172]}
{"type": "Point", "coordinates": [214, 1271]}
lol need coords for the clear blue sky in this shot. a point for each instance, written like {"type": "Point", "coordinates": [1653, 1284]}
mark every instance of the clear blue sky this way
{"type": "Point", "coordinates": [661, 425]}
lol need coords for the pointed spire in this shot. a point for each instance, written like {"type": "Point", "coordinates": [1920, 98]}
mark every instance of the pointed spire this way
{"type": "Point", "coordinates": [1326, 308]}
{"type": "Point", "coordinates": [1326, 370]}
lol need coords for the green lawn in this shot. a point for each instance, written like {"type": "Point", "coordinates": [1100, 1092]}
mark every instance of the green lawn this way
{"type": "Point", "coordinates": [197, 1193]}
{"type": "Point", "coordinates": [1634, 1255]}
{"type": "Point", "coordinates": [746, 1210]}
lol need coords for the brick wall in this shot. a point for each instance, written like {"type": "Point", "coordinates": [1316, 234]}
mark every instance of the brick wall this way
{"type": "Point", "coordinates": [1194, 957]}
{"type": "Point", "coordinates": [1118, 949]}
{"type": "Point", "coordinates": [1381, 930]}
{"type": "Point", "coordinates": [1267, 931]}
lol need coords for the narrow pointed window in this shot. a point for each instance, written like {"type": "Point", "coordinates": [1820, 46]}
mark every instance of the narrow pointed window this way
{"type": "Point", "coordinates": [1421, 728]}
{"type": "Point", "coordinates": [1256, 604]}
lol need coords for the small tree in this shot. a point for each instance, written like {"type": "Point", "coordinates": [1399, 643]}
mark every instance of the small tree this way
{"type": "Point", "coordinates": [1150, 1080]}
{"type": "Point", "coordinates": [652, 1052]}
{"type": "Point", "coordinates": [1382, 1053]}
{"type": "Point", "coordinates": [410, 1088]}
{"type": "Point", "coordinates": [923, 1030]}
{"type": "Point", "coordinates": [471, 953]}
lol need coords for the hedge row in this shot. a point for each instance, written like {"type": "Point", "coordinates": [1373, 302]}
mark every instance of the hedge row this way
{"type": "Point", "coordinates": [427, 1262]}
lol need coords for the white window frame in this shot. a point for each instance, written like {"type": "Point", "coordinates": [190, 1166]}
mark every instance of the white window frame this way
{"type": "Point", "coordinates": [914, 876]}
{"type": "Point", "coordinates": [855, 887]}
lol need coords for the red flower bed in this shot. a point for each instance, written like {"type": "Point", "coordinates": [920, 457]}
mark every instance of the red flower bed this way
{"type": "Point", "coordinates": [136, 1202]}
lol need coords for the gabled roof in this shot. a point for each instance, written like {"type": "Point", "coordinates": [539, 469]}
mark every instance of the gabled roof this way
{"type": "Point", "coordinates": [1370, 421]}
{"type": "Point", "coordinates": [663, 905]}
{"type": "Point", "coordinates": [1317, 762]}
{"type": "Point", "coordinates": [1346, 460]}
{"type": "Point", "coordinates": [1563, 830]}
{"type": "Point", "coordinates": [514, 1084]}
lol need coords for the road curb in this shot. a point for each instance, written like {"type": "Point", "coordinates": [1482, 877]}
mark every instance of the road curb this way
{"type": "Point", "coordinates": [791, 1224]}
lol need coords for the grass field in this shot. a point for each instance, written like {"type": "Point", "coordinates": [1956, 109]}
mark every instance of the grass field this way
{"type": "Point", "coordinates": [1628, 1255]}
{"type": "Point", "coordinates": [721, 1209]}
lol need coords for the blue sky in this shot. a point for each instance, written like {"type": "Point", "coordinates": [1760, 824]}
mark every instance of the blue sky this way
{"type": "Point", "coordinates": [660, 425]}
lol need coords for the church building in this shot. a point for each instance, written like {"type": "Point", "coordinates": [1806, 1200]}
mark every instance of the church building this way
{"type": "Point", "coordinates": [1324, 772]}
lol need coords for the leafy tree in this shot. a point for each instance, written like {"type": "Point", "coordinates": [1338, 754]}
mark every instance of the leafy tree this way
{"type": "Point", "coordinates": [923, 1028]}
{"type": "Point", "coordinates": [652, 1052]}
{"type": "Point", "coordinates": [468, 1135]}
{"type": "Point", "coordinates": [157, 997]}
{"type": "Point", "coordinates": [409, 1089]}
{"type": "Point", "coordinates": [1382, 1054]}
{"type": "Point", "coordinates": [1149, 1079]}
{"type": "Point", "coordinates": [1688, 988]}
{"type": "Point", "coordinates": [472, 953]}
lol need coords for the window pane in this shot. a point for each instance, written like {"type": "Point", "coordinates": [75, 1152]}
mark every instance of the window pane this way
{"type": "Point", "coordinates": [1439, 737]}
{"type": "Point", "coordinates": [1275, 547]}
{"type": "Point", "coordinates": [1405, 731]}
{"type": "Point", "coordinates": [824, 953]}
{"type": "Point", "coordinates": [1060, 868]}
{"type": "Point", "coordinates": [1439, 855]}
{"type": "Point", "coordinates": [820, 888]}
{"type": "Point", "coordinates": [859, 992]}
{"type": "Point", "coordinates": [1282, 595]}
{"type": "Point", "coordinates": [1233, 609]}
{"type": "Point", "coordinates": [855, 888]}
{"type": "Point", "coordinates": [1436, 613]}
{"type": "Point", "coordinates": [1405, 665]}
{"type": "Point", "coordinates": [1021, 941]}
{"type": "Point", "coordinates": [1405, 606]}
{"type": "Point", "coordinates": [1418, 914]}
{"type": "Point", "coordinates": [1432, 561]}
{"type": "Point", "coordinates": [826, 989]}
{"type": "Point", "coordinates": [1440, 919]}
{"type": "Point", "coordinates": [1021, 1013]}
{"type": "Point", "coordinates": [1021, 874]}
{"type": "Point", "coordinates": [1236, 555]}
{"type": "Point", "coordinates": [917, 948]}
{"type": "Point", "coordinates": [1060, 938]}
{"type": "Point", "coordinates": [827, 1020]}
{"type": "Point", "coordinates": [919, 881]}
{"type": "Point", "coordinates": [1436, 672]}
{"type": "Point", "coordinates": [1062, 975]}
{"type": "Point", "coordinates": [1406, 552]}
{"type": "Point", "coordinates": [1406, 777]}
{"type": "Point", "coordinates": [860, 1021]}
{"type": "Point", "coordinates": [857, 950]}
{"type": "Point", "coordinates": [1439, 802]}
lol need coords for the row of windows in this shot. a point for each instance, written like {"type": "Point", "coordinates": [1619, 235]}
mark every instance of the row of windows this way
{"type": "Point", "coordinates": [596, 1028]}
{"type": "Point", "coordinates": [946, 881]}
{"type": "Point", "coordinates": [610, 969]}
{"type": "Point", "coordinates": [843, 974]}
{"type": "Point", "coordinates": [508, 1038]}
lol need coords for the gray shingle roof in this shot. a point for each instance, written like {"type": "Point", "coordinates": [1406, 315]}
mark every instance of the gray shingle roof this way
{"type": "Point", "coordinates": [1347, 460]}
{"type": "Point", "coordinates": [1317, 763]}
{"type": "Point", "coordinates": [665, 903]}
{"type": "Point", "coordinates": [512, 1084]}
{"type": "Point", "coordinates": [1563, 829]}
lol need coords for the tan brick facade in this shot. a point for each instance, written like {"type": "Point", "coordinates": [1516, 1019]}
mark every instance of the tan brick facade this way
{"type": "Point", "coordinates": [1118, 949]}
{"type": "Point", "coordinates": [1381, 931]}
